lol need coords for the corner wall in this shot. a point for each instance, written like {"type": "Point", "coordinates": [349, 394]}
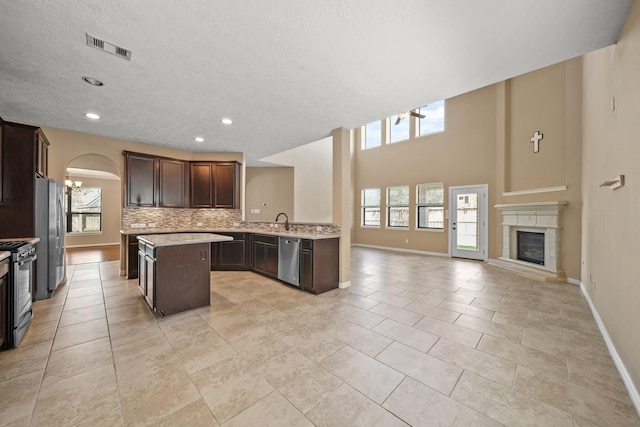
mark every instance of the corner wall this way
{"type": "Point", "coordinates": [610, 220]}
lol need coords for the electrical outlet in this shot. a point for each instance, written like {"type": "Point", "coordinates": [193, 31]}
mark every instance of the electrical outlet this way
{"type": "Point", "coordinates": [142, 225]}
{"type": "Point", "coordinates": [152, 225]}
{"type": "Point", "coordinates": [318, 229]}
{"type": "Point", "coordinates": [199, 224]}
{"type": "Point", "coordinates": [236, 224]}
{"type": "Point", "coordinates": [406, 240]}
{"type": "Point", "coordinates": [134, 225]}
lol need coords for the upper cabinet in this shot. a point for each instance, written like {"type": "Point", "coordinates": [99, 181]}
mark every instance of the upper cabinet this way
{"type": "Point", "coordinates": [173, 181]}
{"type": "Point", "coordinates": [141, 183]}
{"type": "Point", "coordinates": [42, 154]}
{"type": "Point", "coordinates": [154, 181]}
{"type": "Point", "coordinates": [215, 184]}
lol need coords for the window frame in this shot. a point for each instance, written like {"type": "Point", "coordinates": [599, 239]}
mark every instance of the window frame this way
{"type": "Point", "coordinates": [418, 131]}
{"type": "Point", "coordinates": [83, 215]}
{"type": "Point", "coordinates": [391, 123]}
{"type": "Point", "coordinates": [420, 205]}
{"type": "Point", "coordinates": [364, 207]}
{"type": "Point", "coordinates": [363, 132]}
{"type": "Point", "coordinates": [390, 206]}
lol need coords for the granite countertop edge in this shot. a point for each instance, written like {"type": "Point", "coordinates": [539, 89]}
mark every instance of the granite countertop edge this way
{"type": "Point", "coordinates": [293, 234]}
{"type": "Point", "coordinates": [178, 239]}
{"type": "Point", "coordinates": [4, 255]}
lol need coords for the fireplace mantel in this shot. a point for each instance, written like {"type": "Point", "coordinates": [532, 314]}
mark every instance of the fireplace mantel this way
{"type": "Point", "coordinates": [539, 217]}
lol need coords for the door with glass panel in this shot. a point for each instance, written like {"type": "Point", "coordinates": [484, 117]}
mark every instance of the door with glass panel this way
{"type": "Point", "coordinates": [468, 222]}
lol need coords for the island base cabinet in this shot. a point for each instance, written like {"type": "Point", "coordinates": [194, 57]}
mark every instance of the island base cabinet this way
{"type": "Point", "coordinates": [182, 278]}
{"type": "Point", "coordinates": [174, 279]}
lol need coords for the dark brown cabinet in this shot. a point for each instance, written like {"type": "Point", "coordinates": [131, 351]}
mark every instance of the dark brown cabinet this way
{"type": "Point", "coordinates": [173, 181]}
{"type": "Point", "coordinates": [153, 181]}
{"type": "Point", "coordinates": [175, 278]}
{"type": "Point", "coordinates": [265, 255]}
{"type": "Point", "coordinates": [142, 178]}
{"type": "Point", "coordinates": [132, 262]}
{"type": "Point", "coordinates": [319, 261]}
{"type": "Point", "coordinates": [42, 154]}
{"type": "Point", "coordinates": [215, 185]}
{"type": "Point", "coordinates": [20, 163]}
{"type": "Point", "coordinates": [232, 255]}
{"type": "Point", "coordinates": [4, 277]}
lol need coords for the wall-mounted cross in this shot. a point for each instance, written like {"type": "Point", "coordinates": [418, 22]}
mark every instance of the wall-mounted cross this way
{"type": "Point", "coordinates": [537, 136]}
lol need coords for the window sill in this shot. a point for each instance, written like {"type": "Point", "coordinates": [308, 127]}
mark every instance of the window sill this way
{"type": "Point", "coordinates": [397, 228]}
{"type": "Point", "coordinates": [87, 233]}
{"type": "Point", "coordinates": [375, 227]}
{"type": "Point", "coordinates": [431, 230]}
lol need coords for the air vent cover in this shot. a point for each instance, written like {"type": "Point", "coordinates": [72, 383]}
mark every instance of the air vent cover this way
{"type": "Point", "coordinates": [111, 48]}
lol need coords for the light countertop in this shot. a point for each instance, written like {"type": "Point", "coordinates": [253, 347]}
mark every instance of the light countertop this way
{"type": "Point", "coordinates": [178, 239]}
{"type": "Point", "coordinates": [284, 233]}
{"type": "Point", "coordinates": [4, 255]}
{"type": "Point", "coordinates": [32, 240]}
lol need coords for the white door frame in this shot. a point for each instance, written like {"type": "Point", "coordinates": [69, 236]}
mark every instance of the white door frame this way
{"type": "Point", "coordinates": [483, 212]}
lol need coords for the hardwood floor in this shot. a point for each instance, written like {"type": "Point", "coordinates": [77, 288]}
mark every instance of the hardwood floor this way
{"type": "Point", "coordinates": [92, 254]}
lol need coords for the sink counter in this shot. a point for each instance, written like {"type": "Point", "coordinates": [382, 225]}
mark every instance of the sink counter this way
{"type": "Point", "coordinates": [177, 239]}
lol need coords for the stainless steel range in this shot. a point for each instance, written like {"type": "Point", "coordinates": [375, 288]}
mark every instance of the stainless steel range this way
{"type": "Point", "coordinates": [20, 285]}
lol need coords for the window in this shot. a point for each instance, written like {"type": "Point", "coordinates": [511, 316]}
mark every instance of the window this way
{"type": "Point", "coordinates": [398, 206]}
{"type": "Point", "coordinates": [434, 118]}
{"type": "Point", "coordinates": [430, 206]}
{"type": "Point", "coordinates": [84, 210]}
{"type": "Point", "coordinates": [372, 135]}
{"type": "Point", "coordinates": [399, 128]}
{"type": "Point", "coordinates": [371, 207]}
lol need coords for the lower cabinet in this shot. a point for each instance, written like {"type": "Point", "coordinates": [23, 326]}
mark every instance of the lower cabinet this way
{"type": "Point", "coordinates": [319, 261]}
{"type": "Point", "coordinates": [232, 255]}
{"type": "Point", "coordinates": [131, 256]}
{"type": "Point", "coordinates": [4, 303]}
{"type": "Point", "coordinates": [174, 279]}
{"type": "Point", "coordinates": [265, 255]}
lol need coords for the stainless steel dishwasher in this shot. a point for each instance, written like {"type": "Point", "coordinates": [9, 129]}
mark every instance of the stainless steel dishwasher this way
{"type": "Point", "coordinates": [288, 260]}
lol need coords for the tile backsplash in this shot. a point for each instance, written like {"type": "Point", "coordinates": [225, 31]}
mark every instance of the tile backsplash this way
{"type": "Point", "coordinates": [212, 219]}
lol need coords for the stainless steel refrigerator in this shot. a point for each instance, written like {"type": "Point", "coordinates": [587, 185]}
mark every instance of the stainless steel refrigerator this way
{"type": "Point", "coordinates": [50, 228]}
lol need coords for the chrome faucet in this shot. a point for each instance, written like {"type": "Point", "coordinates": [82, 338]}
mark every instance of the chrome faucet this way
{"type": "Point", "coordinates": [286, 220]}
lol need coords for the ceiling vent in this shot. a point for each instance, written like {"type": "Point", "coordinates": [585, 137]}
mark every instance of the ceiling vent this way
{"type": "Point", "coordinates": [111, 48]}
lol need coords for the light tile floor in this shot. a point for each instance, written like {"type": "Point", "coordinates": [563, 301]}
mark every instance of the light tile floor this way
{"type": "Point", "coordinates": [415, 340]}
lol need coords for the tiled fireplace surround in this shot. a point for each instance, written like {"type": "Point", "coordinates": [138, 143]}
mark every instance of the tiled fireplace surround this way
{"type": "Point", "coordinates": [540, 217]}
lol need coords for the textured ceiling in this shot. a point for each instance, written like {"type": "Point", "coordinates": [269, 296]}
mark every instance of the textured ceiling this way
{"type": "Point", "coordinates": [286, 71]}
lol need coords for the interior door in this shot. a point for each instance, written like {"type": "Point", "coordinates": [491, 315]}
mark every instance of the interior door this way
{"type": "Point", "coordinates": [468, 222]}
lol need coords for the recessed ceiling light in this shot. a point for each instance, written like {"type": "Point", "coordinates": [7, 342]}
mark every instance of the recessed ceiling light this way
{"type": "Point", "coordinates": [199, 139]}
{"type": "Point", "coordinates": [92, 81]}
{"type": "Point", "coordinates": [92, 116]}
{"type": "Point", "coordinates": [226, 121]}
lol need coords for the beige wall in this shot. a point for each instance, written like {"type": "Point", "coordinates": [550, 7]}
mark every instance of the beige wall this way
{"type": "Point", "coordinates": [269, 185]}
{"type": "Point", "coordinates": [110, 216]}
{"type": "Point", "coordinates": [487, 141]}
{"type": "Point", "coordinates": [611, 226]}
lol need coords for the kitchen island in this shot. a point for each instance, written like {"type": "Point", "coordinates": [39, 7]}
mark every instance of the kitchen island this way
{"type": "Point", "coordinates": [174, 270]}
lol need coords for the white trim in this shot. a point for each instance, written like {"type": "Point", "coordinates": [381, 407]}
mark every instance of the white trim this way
{"type": "Point", "coordinates": [412, 251]}
{"type": "Point", "coordinates": [622, 369]}
{"type": "Point", "coordinates": [343, 285]}
{"type": "Point", "coordinates": [573, 281]}
{"type": "Point", "coordinates": [84, 233]}
{"type": "Point", "coordinates": [91, 245]}
{"type": "Point", "coordinates": [535, 191]}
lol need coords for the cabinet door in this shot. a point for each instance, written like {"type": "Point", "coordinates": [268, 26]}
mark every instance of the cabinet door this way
{"type": "Point", "coordinates": [132, 257]}
{"type": "Point", "coordinates": [142, 270]}
{"type": "Point", "coordinates": [42, 154]}
{"type": "Point", "coordinates": [140, 189]}
{"type": "Point", "coordinates": [272, 260]}
{"type": "Point", "coordinates": [231, 255]}
{"type": "Point", "coordinates": [150, 273]}
{"type": "Point", "coordinates": [173, 183]}
{"type": "Point", "coordinates": [201, 185]}
{"type": "Point", "coordinates": [306, 269]}
{"type": "Point", "coordinates": [260, 257]}
{"type": "Point", "coordinates": [225, 182]}
{"type": "Point", "coordinates": [4, 277]}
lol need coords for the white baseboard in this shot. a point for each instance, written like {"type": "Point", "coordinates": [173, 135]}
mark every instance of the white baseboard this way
{"type": "Point", "coordinates": [412, 251]}
{"type": "Point", "coordinates": [344, 284]}
{"type": "Point", "coordinates": [574, 281]}
{"type": "Point", "coordinates": [622, 369]}
{"type": "Point", "coordinates": [90, 246]}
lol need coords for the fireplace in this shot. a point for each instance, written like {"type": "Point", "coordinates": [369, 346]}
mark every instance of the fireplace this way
{"type": "Point", "coordinates": [531, 247]}
{"type": "Point", "coordinates": [531, 238]}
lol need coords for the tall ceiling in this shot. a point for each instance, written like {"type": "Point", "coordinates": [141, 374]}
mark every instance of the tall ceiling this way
{"type": "Point", "coordinates": [286, 72]}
